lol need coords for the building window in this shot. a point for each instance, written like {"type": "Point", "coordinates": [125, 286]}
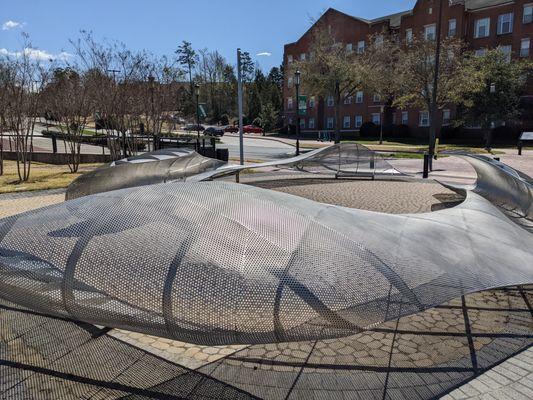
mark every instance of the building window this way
{"type": "Point", "coordinates": [524, 47]}
{"type": "Point", "coordinates": [311, 123]}
{"type": "Point", "coordinates": [361, 47]}
{"type": "Point", "coordinates": [329, 123]}
{"type": "Point", "coordinates": [289, 58]}
{"type": "Point", "coordinates": [480, 52]}
{"type": "Point", "coordinates": [376, 98]}
{"type": "Point", "coordinates": [376, 118]}
{"type": "Point", "coordinates": [289, 83]}
{"type": "Point", "coordinates": [446, 116]}
{"type": "Point", "coordinates": [312, 102]}
{"type": "Point", "coordinates": [302, 57]}
{"type": "Point", "coordinates": [482, 28]}
{"type": "Point", "coordinates": [330, 101]}
{"type": "Point", "coordinates": [505, 23]}
{"type": "Point", "coordinates": [358, 121]}
{"type": "Point", "coordinates": [424, 118]}
{"type": "Point", "coordinates": [527, 16]}
{"type": "Point", "coordinates": [430, 10]}
{"type": "Point", "coordinates": [311, 55]}
{"type": "Point", "coordinates": [289, 103]}
{"type": "Point", "coordinates": [452, 27]}
{"type": "Point", "coordinates": [409, 36]}
{"type": "Point", "coordinates": [506, 50]}
{"type": "Point", "coordinates": [349, 48]}
{"type": "Point", "coordinates": [359, 97]}
{"type": "Point", "coordinates": [347, 99]}
{"type": "Point", "coordinates": [378, 41]}
{"type": "Point", "coordinates": [346, 122]}
{"type": "Point", "coordinates": [405, 117]}
{"type": "Point", "coordinates": [302, 123]}
{"type": "Point", "coordinates": [430, 32]}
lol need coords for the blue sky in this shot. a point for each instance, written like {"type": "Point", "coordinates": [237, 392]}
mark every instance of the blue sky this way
{"type": "Point", "coordinates": [257, 26]}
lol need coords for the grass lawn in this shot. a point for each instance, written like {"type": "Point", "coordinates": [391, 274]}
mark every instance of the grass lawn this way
{"type": "Point", "coordinates": [42, 176]}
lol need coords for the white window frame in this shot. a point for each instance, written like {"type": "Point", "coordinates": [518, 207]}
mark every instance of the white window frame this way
{"type": "Point", "coordinates": [302, 123]}
{"type": "Point", "coordinates": [507, 50]}
{"type": "Point", "coordinates": [346, 122]}
{"type": "Point", "coordinates": [349, 48]}
{"type": "Point", "coordinates": [376, 98]}
{"type": "Point", "coordinates": [360, 47]}
{"type": "Point", "coordinates": [405, 117]}
{"type": "Point", "coordinates": [409, 35]}
{"type": "Point", "coordinates": [330, 123]}
{"type": "Point", "coordinates": [525, 45]}
{"type": "Point", "coordinates": [527, 18]}
{"type": "Point", "coordinates": [359, 97]}
{"type": "Point", "coordinates": [290, 59]}
{"type": "Point", "coordinates": [452, 27]}
{"type": "Point", "coordinates": [312, 102]}
{"type": "Point", "coordinates": [433, 32]}
{"type": "Point", "coordinates": [423, 116]}
{"type": "Point", "coordinates": [378, 40]}
{"type": "Point", "coordinates": [330, 101]}
{"type": "Point", "coordinates": [347, 99]}
{"type": "Point", "coordinates": [446, 117]}
{"type": "Point", "coordinates": [302, 57]}
{"type": "Point", "coordinates": [289, 103]}
{"type": "Point", "coordinates": [289, 82]}
{"type": "Point", "coordinates": [477, 25]}
{"type": "Point", "coordinates": [480, 52]}
{"type": "Point", "coordinates": [502, 20]}
{"type": "Point", "coordinates": [358, 121]}
{"type": "Point", "coordinates": [311, 123]}
{"type": "Point", "coordinates": [376, 117]}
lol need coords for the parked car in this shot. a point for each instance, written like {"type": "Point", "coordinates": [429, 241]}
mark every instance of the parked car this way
{"type": "Point", "coordinates": [231, 129]}
{"type": "Point", "coordinates": [214, 131]}
{"type": "Point", "coordinates": [194, 128]}
{"type": "Point", "coordinates": [252, 129]}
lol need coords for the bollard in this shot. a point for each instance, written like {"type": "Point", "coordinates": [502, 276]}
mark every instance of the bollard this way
{"type": "Point", "coordinates": [519, 148]}
{"type": "Point", "coordinates": [372, 163]}
{"type": "Point", "coordinates": [54, 144]}
{"type": "Point", "coordinates": [425, 173]}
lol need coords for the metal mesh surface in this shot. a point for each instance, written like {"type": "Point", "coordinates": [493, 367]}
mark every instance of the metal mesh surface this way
{"type": "Point", "coordinates": [219, 263]}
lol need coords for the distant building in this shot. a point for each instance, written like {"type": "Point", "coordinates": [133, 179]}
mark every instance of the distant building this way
{"type": "Point", "coordinates": [481, 24]}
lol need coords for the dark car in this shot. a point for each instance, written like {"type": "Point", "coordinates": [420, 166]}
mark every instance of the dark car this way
{"type": "Point", "coordinates": [214, 131]}
{"type": "Point", "coordinates": [194, 128]}
{"type": "Point", "coordinates": [231, 129]}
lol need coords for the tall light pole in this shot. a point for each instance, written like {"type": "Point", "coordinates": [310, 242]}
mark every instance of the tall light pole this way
{"type": "Point", "coordinates": [239, 99]}
{"type": "Point", "coordinates": [151, 80]}
{"type": "Point", "coordinates": [381, 109]}
{"type": "Point", "coordinates": [433, 110]}
{"type": "Point", "coordinates": [197, 93]}
{"type": "Point", "coordinates": [297, 86]}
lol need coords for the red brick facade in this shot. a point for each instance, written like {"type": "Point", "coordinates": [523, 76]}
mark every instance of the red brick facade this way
{"type": "Point", "coordinates": [352, 30]}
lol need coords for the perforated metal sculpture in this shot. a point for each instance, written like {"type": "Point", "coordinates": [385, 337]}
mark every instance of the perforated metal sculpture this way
{"type": "Point", "coordinates": [219, 263]}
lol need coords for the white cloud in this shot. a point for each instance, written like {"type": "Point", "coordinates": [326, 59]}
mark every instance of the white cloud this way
{"type": "Point", "coordinates": [12, 25]}
{"type": "Point", "coordinates": [36, 54]}
{"type": "Point", "coordinates": [264, 53]}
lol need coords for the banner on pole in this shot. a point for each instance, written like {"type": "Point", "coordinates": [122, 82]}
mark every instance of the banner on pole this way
{"type": "Point", "coordinates": [302, 105]}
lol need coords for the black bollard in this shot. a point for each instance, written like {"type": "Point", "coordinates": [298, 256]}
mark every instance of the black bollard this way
{"type": "Point", "coordinates": [425, 173]}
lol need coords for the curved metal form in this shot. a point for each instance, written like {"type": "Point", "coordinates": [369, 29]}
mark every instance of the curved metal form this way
{"type": "Point", "coordinates": [351, 159]}
{"type": "Point", "coordinates": [503, 186]}
{"type": "Point", "coordinates": [219, 263]}
{"type": "Point", "coordinates": [155, 167]}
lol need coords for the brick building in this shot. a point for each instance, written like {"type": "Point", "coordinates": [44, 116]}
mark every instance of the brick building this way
{"type": "Point", "coordinates": [481, 24]}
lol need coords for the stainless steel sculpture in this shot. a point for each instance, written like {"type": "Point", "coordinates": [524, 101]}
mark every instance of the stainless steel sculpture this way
{"type": "Point", "coordinates": [345, 159]}
{"type": "Point", "coordinates": [219, 263]}
{"type": "Point", "coordinates": [155, 167]}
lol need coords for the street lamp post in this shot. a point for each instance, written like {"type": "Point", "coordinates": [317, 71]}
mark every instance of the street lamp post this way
{"type": "Point", "coordinates": [433, 110]}
{"type": "Point", "coordinates": [151, 79]}
{"type": "Point", "coordinates": [297, 86]}
{"type": "Point", "coordinates": [197, 92]}
{"type": "Point", "coordinates": [381, 109]}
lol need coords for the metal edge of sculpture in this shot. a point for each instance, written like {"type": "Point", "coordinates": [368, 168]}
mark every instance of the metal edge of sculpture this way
{"type": "Point", "coordinates": [217, 263]}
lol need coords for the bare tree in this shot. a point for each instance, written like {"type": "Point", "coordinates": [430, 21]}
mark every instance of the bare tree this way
{"type": "Point", "coordinates": [24, 80]}
{"type": "Point", "coordinates": [330, 71]}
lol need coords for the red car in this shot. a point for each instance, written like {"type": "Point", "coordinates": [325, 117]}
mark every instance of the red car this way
{"type": "Point", "coordinates": [252, 129]}
{"type": "Point", "coordinates": [231, 129]}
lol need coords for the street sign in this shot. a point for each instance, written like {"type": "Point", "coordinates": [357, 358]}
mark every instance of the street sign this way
{"type": "Point", "coordinates": [302, 105]}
